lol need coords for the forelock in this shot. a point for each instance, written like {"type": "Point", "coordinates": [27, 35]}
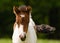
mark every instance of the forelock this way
{"type": "Point", "coordinates": [22, 8]}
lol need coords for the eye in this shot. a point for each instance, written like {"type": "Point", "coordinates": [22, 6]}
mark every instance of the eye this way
{"type": "Point", "coordinates": [17, 11]}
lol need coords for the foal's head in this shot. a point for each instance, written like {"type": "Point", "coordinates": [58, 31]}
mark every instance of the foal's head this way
{"type": "Point", "coordinates": [22, 14]}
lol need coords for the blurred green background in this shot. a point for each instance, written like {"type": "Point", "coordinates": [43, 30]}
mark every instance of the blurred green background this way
{"type": "Point", "coordinates": [43, 12]}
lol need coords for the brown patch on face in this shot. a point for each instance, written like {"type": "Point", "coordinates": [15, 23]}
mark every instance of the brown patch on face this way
{"type": "Point", "coordinates": [22, 10]}
{"type": "Point", "coordinates": [25, 22]}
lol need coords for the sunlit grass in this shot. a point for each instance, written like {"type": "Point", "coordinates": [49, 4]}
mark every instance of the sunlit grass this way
{"type": "Point", "coordinates": [47, 41]}
{"type": "Point", "coordinates": [4, 40]}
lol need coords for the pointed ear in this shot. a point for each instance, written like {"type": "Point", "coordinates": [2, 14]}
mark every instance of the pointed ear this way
{"type": "Point", "coordinates": [15, 10]}
{"type": "Point", "coordinates": [29, 8]}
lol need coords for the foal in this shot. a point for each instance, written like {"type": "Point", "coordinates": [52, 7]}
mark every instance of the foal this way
{"type": "Point", "coordinates": [24, 31]}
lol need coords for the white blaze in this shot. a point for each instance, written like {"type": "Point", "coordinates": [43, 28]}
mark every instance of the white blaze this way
{"type": "Point", "coordinates": [21, 29]}
{"type": "Point", "coordinates": [22, 15]}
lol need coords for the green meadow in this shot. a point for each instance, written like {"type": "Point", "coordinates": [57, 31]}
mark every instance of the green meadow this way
{"type": "Point", "coordinates": [4, 40]}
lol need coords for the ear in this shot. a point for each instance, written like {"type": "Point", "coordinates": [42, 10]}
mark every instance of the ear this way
{"type": "Point", "coordinates": [29, 8]}
{"type": "Point", "coordinates": [15, 10]}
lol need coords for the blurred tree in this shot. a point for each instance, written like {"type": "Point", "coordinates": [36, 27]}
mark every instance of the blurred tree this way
{"type": "Point", "coordinates": [54, 20]}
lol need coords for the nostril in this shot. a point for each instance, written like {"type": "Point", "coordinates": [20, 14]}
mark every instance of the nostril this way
{"type": "Point", "coordinates": [22, 37]}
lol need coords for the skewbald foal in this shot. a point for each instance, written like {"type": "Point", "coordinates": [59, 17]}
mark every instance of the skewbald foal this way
{"type": "Point", "coordinates": [23, 31]}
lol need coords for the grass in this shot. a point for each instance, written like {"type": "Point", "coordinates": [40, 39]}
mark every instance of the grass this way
{"type": "Point", "coordinates": [4, 40]}
{"type": "Point", "coordinates": [47, 41]}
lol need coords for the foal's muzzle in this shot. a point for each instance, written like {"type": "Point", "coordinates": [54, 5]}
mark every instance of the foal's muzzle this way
{"type": "Point", "coordinates": [22, 37]}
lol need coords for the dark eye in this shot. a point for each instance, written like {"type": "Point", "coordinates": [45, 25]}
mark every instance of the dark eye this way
{"type": "Point", "coordinates": [17, 11]}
